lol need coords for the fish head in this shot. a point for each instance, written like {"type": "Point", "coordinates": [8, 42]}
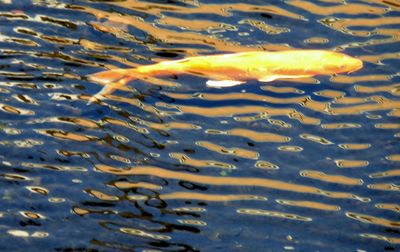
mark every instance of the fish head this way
{"type": "Point", "coordinates": [335, 62]}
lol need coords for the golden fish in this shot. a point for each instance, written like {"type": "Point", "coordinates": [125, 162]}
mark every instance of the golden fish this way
{"type": "Point", "coordinates": [226, 70]}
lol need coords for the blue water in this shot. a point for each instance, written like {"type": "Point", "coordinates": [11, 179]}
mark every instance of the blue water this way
{"type": "Point", "coordinates": [158, 168]}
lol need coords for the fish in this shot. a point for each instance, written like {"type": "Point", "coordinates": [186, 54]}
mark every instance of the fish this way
{"type": "Point", "coordinates": [226, 70]}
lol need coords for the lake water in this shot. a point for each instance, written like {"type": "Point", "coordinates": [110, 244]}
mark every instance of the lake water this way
{"type": "Point", "coordinates": [308, 164]}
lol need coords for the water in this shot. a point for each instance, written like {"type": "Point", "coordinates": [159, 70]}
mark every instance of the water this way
{"type": "Point", "coordinates": [305, 165]}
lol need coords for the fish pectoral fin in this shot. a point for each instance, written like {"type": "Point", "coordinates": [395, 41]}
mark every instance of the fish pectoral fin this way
{"type": "Point", "coordinates": [115, 78]}
{"type": "Point", "coordinates": [270, 78]}
{"type": "Point", "coordinates": [109, 88]}
{"type": "Point", "coordinates": [108, 76]}
{"type": "Point", "coordinates": [223, 83]}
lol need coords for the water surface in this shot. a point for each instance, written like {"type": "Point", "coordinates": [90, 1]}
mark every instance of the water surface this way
{"type": "Point", "coordinates": [306, 165]}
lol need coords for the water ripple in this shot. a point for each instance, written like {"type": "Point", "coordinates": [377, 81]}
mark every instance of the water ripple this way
{"type": "Point", "coordinates": [169, 164]}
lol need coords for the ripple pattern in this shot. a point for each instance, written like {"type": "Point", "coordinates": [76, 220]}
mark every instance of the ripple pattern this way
{"type": "Point", "coordinates": [170, 164]}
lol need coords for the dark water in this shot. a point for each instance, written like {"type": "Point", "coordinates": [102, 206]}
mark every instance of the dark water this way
{"type": "Point", "coordinates": [303, 165]}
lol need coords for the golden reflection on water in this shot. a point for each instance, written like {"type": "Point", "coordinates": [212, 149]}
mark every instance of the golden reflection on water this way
{"type": "Point", "coordinates": [331, 178]}
{"type": "Point", "coordinates": [273, 214]}
{"type": "Point", "coordinates": [373, 220]}
{"type": "Point", "coordinates": [184, 159]}
{"type": "Point", "coordinates": [252, 135]}
{"type": "Point", "coordinates": [309, 143]}
{"type": "Point", "coordinates": [349, 9]}
{"type": "Point", "coordinates": [229, 181]}
{"type": "Point", "coordinates": [209, 197]}
{"type": "Point", "coordinates": [239, 152]}
{"type": "Point", "coordinates": [309, 204]}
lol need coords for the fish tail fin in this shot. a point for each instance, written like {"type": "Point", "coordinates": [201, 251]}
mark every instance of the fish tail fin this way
{"type": "Point", "coordinates": [111, 79]}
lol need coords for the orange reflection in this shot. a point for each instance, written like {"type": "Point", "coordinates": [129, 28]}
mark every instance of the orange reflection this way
{"type": "Point", "coordinates": [239, 152]}
{"type": "Point", "coordinates": [228, 181]}
{"type": "Point", "coordinates": [252, 135]}
{"type": "Point", "coordinates": [331, 178]}
{"type": "Point", "coordinates": [262, 212]}
{"type": "Point", "coordinates": [373, 220]}
{"type": "Point", "coordinates": [209, 197]}
{"type": "Point", "coordinates": [348, 8]}
{"type": "Point", "coordinates": [184, 159]}
{"type": "Point", "coordinates": [309, 204]}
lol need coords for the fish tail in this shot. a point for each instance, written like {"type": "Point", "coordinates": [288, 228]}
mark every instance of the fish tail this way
{"type": "Point", "coordinates": [111, 79]}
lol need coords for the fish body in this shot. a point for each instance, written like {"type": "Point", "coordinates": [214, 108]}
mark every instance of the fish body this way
{"type": "Point", "coordinates": [224, 70]}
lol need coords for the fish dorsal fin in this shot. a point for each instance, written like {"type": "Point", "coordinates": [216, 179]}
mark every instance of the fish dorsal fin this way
{"type": "Point", "coordinates": [223, 83]}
